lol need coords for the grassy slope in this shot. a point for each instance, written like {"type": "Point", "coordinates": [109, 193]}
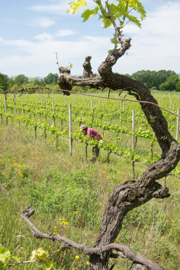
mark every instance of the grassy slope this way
{"type": "Point", "coordinates": [69, 195]}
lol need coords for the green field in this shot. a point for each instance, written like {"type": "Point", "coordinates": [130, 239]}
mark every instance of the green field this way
{"type": "Point", "coordinates": [68, 192]}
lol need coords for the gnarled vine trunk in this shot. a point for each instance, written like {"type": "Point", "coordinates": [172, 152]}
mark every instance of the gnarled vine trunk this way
{"type": "Point", "coordinates": [130, 194]}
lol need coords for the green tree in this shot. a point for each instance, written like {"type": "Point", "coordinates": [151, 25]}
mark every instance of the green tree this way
{"type": "Point", "coordinates": [10, 82]}
{"type": "Point", "coordinates": [37, 82]}
{"type": "Point", "coordinates": [170, 83]}
{"type": "Point", "coordinates": [152, 79]}
{"type": "Point", "coordinates": [20, 80]}
{"type": "Point", "coordinates": [14, 87]}
{"type": "Point", "coordinates": [3, 82]}
{"type": "Point", "coordinates": [177, 86]}
{"type": "Point", "coordinates": [51, 78]}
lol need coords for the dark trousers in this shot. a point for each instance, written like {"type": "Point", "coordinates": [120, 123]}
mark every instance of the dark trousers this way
{"type": "Point", "coordinates": [95, 151]}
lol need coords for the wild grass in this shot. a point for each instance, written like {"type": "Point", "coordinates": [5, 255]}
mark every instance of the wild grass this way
{"type": "Point", "coordinates": [69, 195]}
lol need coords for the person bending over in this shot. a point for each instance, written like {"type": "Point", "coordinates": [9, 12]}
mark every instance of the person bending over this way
{"type": "Point", "coordinates": [92, 133]}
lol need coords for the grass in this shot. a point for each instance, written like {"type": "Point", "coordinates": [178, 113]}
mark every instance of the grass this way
{"type": "Point", "coordinates": [69, 195]}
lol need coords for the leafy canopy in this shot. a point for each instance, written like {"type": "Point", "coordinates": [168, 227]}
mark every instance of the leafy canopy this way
{"type": "Point", "coordinates": [118, 14]}
{"type": "Point", "coordinates": [121, 11]}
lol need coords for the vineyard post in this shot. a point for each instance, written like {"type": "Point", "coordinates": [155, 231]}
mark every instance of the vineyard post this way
{"type": "Point", "coordinates": [46, 102]}
{"type": "Point", "coordinates": [123, 105]}
{"type": "Point", "coordinates": [177, 130]}
{"type": "Point", "coordinates": [53, 113]}
{"type": "Point", "coordinates": [92, 111]}
{"type": "Point", "coordinates": [14, 99]}
{"type": "Point", "coordinates": [53, 106]}
{"type": "Point", "coordinates": [35, 131]}
{"type": "Point", "coordinates": [170, 99]}
{"type": "Point", "coordinates": [70, 130]}
{"type": "Point", "coordinates": [133, 129]}
{"type": "Point", "coordinates": [5, 108]}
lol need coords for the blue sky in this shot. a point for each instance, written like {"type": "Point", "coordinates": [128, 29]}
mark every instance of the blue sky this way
{"type": "Point", "coordinates": [31, 31]}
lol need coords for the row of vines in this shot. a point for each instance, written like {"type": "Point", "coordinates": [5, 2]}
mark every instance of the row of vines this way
{"type": "Point", "coordinates": [123, 134]}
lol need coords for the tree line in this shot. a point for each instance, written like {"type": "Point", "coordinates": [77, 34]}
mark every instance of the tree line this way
{"type": "Point", "coordinates": [21, 80]}
{"type": "Point", "coordinates": [165, 80]}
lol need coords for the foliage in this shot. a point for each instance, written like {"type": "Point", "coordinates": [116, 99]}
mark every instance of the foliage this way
{"type": "Point", "coordinates": [3, 82]}
{"type": "Point", "coordinates": [152, 79]}
{"type": "Point", "coordinates": [29, 164]}
{"type": "Point", "coordinates": [170, 83]}
{"type": "Point", "coordinates": [51, 78]}
{"type": "Point", "coordinates": [6, 258]}
{"type": "Point", "coordinates": [120, 13]}
{"type": "Point", "coordinates": [72, 195]}
{"type": "Point", "coordinates": [20, 79]}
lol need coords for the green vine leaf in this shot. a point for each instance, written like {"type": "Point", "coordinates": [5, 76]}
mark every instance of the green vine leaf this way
{"type": "Point", "coordinates": [39, 254]}
{"type": "Point", "coordinates": [75, 6]}
{"type": "Point", "coordinates": [88, 13]}
{"type": "Point", "coordinates": [4, 255]}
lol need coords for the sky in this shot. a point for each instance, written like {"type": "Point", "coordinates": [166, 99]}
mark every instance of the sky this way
{"type": "Point", "coordinates": [32, 31]}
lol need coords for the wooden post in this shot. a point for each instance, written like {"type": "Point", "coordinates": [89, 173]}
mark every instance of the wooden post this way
{"type": "Point", "coordinates": [14, 99]}
{"type": "Point", "coordinates": [5, 108]}
{"type": "Point", "coordinates": [133, 129]}
{"type": "Point", "coordinates": [53, 106]}
{"type": "Point", "coordinates": [123, 105]}
{"type": "Point", "coordinates": [177, 129]}
{"type": "Point", "coordinates": [92, 111]}
{"type": "Point", "coordinates": [53, 112]}
{"type": "Point", "coordinates": [70, 130]}
{"type": "Point", "coordinates": [5, 105]}
{"type": "Point", "coordinates": [170, 99]}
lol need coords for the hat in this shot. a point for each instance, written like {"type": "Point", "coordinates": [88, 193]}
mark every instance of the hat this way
{"type": "Point", "coordinates": [82, 127]}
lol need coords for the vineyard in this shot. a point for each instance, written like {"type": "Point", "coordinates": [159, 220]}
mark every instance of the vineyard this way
{"type": "Point", "coordinates": [44, 164]}
{"type": "Point", "coordinates": [122, 123]}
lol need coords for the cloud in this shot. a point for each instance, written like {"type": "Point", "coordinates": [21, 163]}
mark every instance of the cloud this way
{"type": "Point", "coordinates": [42, 22]}
{"type": "Point", "coordinates": [65, 32]}
{"type": "Point", "coordinates": [154, 47]}
{"type": "Point", "coordinates": [43, 37]}
{"type": "Point", "coordinates": [40, 55]}
{"type": "Point", "coordinates": [59, 8]}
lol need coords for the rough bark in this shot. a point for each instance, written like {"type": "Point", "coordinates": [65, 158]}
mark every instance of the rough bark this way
{"type": "Point", "coordinates": [131, 194]}
{"type": "Point", "coordinates": [87, 72]}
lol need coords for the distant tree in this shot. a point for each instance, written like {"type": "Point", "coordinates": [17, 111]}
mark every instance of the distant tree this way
{"type": "Point", "coordinates": [11, 82]}
{"type": "Point", "coordinates": [3, 82]}
{"type": "Point", "coordinates": [37, 82]}
{"type": "Point", "coordinates": [177, 86]}
{"type": "Point", "coordinates": [152, 79]}
{"type": "Point", "coordinates": [170, 83]}
{"type": "Point", "coordinates": [162, 76]}
{"type": "Point", "coordinates": [21, 79]}
{"type": "Point", "coordinates": [51, 78]}
{"type": "Point", "coordinates": [14, 87]}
